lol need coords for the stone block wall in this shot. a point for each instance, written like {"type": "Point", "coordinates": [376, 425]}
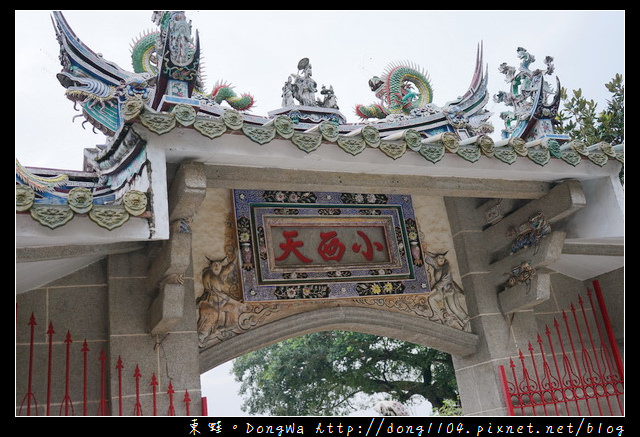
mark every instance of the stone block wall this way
{"type": "Point", "coordinates": [75, 304]}
{"type": "Point", "coordinates": [106, 304]}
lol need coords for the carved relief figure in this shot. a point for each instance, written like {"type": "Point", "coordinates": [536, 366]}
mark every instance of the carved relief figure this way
{"type": "Point", "coordinates": [521, 274]}
{"type": "Point", "coordinates": [530, 233]}
{"type": "Point", "coordinates": [217, 309]}
{"type": "Point", "coordinates": [446, 296]}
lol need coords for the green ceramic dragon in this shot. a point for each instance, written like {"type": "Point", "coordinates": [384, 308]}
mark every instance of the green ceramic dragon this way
{"type": "Point", "coordinates": [402, 88]}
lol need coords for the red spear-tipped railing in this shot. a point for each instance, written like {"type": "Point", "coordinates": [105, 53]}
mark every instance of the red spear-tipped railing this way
{"type": "Point", "coordinates": [29, 403]}
{"type": "Point", "coordinates": [154, 384]}
{"type": "Point", "coordinates": [187, 400]}
{"type": "Point", "coordinates": [549, 381]}
{"type": "Point", "coordinates": [102, 405]}
{"type": "Point", "coordinates": [85, 351]}
{"type": "Point", "coordinates": [66, 400]}
{"type": "Point", "coordinates": [119, 366]}
{"type": "Point", "coordinates": [50, 333]}
{"type": "Point", "coordinates": [583, 375]}
{"type": "Point", "coordinates": [29, 397]}
{"type": "Point", "coordinates": [170, 392]}
{"type": "Point", "coordinates": [607, 354]}
{"type": "Point", "coordinates": [205, 408]}
{"type": "Point", "coordinates": [137, 410]}
{"type": "Point", "coordinates": [581, 393]}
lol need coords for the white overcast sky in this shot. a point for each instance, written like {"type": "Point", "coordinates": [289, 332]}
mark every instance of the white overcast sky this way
{"type": "Point", "coordinates": [257, 50]}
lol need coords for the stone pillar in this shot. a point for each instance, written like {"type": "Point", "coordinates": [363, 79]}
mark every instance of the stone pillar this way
{"type": "Point", "coordinates": [171, 357]}
{"type": "Point", "coordinates": [152, 313]}
{"type": "Point", "coordinates": [478, 382]}
{"type": "Point", "coordinates": [502, 316]}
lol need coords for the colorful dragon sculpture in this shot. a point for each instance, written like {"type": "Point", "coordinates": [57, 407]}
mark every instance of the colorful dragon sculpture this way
{"type": "Point", "coordinates": [145, 58]}
{"type": "Point", "coordinates": [396, 92]}
{"type": "Point", "coordinates": [223, 92]}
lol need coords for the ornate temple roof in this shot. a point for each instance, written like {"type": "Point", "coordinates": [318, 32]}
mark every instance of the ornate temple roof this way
{"type": "Point", "coordinates": [164, 94]}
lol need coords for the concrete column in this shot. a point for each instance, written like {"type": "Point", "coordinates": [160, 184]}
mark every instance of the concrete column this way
{"type": "Point", "coordinates": [477, 374]}
{"type": "Point", "coordinates": [502, 317]}
{"type": "Point", "coordinates": [152, 313]}
{"type": "Point", "coordinates": [172, 357]}
{"type": "Point", "coordinates": [167, 273]}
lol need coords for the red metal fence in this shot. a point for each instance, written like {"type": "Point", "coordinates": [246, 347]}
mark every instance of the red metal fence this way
{"type": "Point", "coordinates": [29, 404]}
{"type": "Point", "coordinates": [580, 373]}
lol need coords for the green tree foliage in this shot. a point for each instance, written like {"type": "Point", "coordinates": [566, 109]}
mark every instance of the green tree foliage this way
{"type": "Point", "coordinates": [450, 408]}
{"type": "Point", "coordinates": [323, 373]}
{"type": "Point", "coordinates": [612, 119]}
{"type": "Point", "coordinates": [580, 119]}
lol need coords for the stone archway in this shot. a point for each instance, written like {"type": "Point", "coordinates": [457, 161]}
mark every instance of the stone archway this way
{"type": "Point", "coordinates": [366, 320]}
{"type": "Point", "coordinates": [242, 322]}
{"type": "Point", "coordinates": [232, 323]}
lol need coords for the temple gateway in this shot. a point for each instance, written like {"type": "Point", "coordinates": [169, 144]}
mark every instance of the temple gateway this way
{"type": "Point", "coordinates": [199, 232]}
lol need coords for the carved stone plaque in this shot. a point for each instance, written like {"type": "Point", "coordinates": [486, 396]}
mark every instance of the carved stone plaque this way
{"type": "Point", "coordinates": [304, 245]}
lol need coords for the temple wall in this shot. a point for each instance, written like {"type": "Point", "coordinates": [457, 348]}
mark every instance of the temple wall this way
{"type": "Point", "coordinates": [76, 304]}
{"type": "Point", "coordinates": [105, 304]}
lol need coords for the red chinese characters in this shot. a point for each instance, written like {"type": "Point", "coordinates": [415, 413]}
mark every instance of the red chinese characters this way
{"type": "Point", "coordinates": [291, 246]}
{"type": "Point", "coordinates": [368, 252]}
{"type": "Point", "coordinates": [330, 246]}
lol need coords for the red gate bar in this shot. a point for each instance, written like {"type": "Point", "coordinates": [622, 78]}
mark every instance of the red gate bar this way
{"type": "Point", "coordinates": [588, 380]}
{"type": "Point", "coordinates": [29, 405]}
{"type": "Point", "coordinates": [607, 324]}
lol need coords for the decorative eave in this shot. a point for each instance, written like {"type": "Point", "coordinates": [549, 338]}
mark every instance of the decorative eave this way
{"type": "Point", "coordinates": [95, 84]}
{"type": "Point", "coordinates": [394, 143]}
{"type": "Point", "coordinates": [54, 205]}
{"type": "Point", "coordinates": [114, 188]}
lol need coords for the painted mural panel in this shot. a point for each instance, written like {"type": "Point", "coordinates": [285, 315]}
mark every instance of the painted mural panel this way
{"type": "Point", "coordinates": [303, 245]}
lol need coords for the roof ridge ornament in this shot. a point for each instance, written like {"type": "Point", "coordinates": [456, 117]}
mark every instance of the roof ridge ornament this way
{"type": "Point", "coordinates": [396, 92]}
{"type": "Point", "coordinates": [534, 103]}
{"type": "Point", "coordinates": [302, 87]}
